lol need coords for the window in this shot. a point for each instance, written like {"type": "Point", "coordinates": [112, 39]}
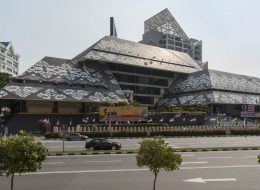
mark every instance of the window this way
{"type": "Point", "coordinates": [142, 80]}
{"type": "Point", "coordinates": [127, 87]}
{"type": "Point", "coordinates": [9, 63]}
{"type": "Point", "coordinates": [125, 78]}
{"type": "Point", "coordinates": [143, 90]}
{"type": "Point", "coordinates": [160, 82]}
{"type": "Point", "coordinates": [144, 99]}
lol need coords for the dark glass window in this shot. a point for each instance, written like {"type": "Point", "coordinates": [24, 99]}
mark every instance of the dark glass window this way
{"type": "Point", "coordinates": [144, 99]}
{"type": "Point", "coordinates": [160, 82]}
{"type": "Point", "coordinates": [142, 80]}
{"type": "Point", "coordinates": [125, 78]}
{"type": "Point", "coordinates": [143, 90]}
{"type": "Point", "coordinates": [141, 70]}
{"type": "Point", "coordinates": [155, 91]}
{"type": "Point", "coordinates": [127, 87]}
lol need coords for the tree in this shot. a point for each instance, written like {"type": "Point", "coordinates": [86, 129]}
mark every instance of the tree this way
{"type": "Point", "coordinates": [4, 79]}
{"type": "Point", "coordinates": [157, 155]}
{"type": "Point", "coordinates": [21, 154]}
{"type": "Point", "coordinates": [2, 146]}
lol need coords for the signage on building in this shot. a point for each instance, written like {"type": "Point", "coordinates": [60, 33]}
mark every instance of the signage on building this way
{"type": "Point", "coordinates": [122, 113]}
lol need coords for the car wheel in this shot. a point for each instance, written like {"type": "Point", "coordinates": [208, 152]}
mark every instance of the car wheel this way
{"type": "Point", "coordinates": [82, 139]}
{"type": "Point", "coordinates": [68, 139]}
{"type": "Point", "coordinates": [91, 148]}
{"type": "Point", "coordinates": [113, 148]}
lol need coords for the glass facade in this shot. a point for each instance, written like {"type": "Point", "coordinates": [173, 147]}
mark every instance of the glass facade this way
{"type": "Point", "coordinates": [146, 83]}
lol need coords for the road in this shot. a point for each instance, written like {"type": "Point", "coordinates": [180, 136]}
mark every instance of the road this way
{"type": "Point", "coordinates": [185, 142]}
{"type": "Point", "coordinates": [227, 170]}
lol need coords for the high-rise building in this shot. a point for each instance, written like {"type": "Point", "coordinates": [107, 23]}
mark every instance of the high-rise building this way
{"type": "Point", "coordinates": [9, 60]}
{"type": "Point", "coordinates": [164, 31]}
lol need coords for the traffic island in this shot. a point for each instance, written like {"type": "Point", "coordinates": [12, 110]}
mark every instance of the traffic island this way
{"type": "Point", "coordinates": [71, 153]}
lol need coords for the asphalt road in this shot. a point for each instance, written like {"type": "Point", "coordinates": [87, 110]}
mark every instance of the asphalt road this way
{"type": "Point", "coordinates": [186, 142]}
{"type": "Point", "coordinates": [228, 170]}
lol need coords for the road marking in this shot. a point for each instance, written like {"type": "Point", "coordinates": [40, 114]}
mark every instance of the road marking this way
{"type": "Point", "coordinates": [202, 162]}
{"type": "Point", "coordinates": [65, 147]}
{"type": "Point", "coordinates": [49, 163]}
{"type": "Point", "coordinates": [188, 155]}
{"type": "Point", "coordinates": [200, 180]}
{"type": "Point", "coordinates": [219, 167]}
{"type": "Point", "coordinates": [105, 155]}
{"type": "Point", "coordinates": [250, 156]}
{"type": "Point", "coordinates": [130, 144]}
{"type": "Point", "coordinates": [215, 158]}
{"type": "Point", "coordinates": [84, 171]}
{"type": "Point", "coordinates": [105, 161]}
{"type": "Point", "coordinates": [133, 170]}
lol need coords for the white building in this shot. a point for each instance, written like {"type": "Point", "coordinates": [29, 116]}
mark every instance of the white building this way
{"type": "Point", "coordinates": [9, 60]}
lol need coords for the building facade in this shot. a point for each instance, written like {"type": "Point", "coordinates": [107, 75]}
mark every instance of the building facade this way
{"type": "Point", "coordinates": [9, 60]}
{"type": "Point", "coordinates": [164, 31]}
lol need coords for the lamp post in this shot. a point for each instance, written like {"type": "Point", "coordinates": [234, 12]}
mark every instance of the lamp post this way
{"type": "Point", "coordinates": [109, 120]}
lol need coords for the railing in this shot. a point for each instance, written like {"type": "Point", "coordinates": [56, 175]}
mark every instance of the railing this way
{"type": "Point", "coordinates": [224, 130]}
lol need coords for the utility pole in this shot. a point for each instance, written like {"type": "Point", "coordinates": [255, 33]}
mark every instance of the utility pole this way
{"type": "Point", "coordinates": [109, 120]}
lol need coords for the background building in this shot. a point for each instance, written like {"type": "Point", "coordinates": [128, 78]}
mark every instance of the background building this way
{"type": "Point", "coordinates": [163, 30]}
{"type": "Point", "coordinates": [9, 60]}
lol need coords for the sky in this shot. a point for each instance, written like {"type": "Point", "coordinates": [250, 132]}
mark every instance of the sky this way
{"type": "Point", "coordinates": [229, 29]}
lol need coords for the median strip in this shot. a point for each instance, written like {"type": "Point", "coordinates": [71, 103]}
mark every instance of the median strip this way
{"type": "Point", "coordinates": [53, 153]}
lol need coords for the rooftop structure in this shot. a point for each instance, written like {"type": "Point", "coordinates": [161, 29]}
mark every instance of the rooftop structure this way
{"type": "Point", "coordinates": [164, 31]}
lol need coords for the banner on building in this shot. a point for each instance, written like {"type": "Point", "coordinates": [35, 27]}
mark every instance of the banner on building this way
{"type": "Point", "coordinates": [122, 113]}
{"type": "Point", "coordinates": [248, 110]}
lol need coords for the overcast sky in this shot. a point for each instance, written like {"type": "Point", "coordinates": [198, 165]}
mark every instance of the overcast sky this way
{"type": "Point", "coordinates": [229, 29]}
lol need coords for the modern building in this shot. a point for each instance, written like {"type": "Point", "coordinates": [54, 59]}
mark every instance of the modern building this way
{"type": "Point", "coordinates": [9, 60]}
{"type": "Point", "coordinates": [69, 89]}
{"type": "Point", "coordinates": [146, 70]}
{"type": "Point", "coordinates": [164, 31]}
{"type": "Point", "coordinates": [223, 92]}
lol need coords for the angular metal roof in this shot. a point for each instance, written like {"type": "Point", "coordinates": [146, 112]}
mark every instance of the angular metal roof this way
{"type": "Point", "coordinates": [212, 79]}
{"type": "Point", "coordinates": [217, 87]}
{"type": "Point", "coordinates": [210, 97]}
{"type": "Point", "coordinates": [112, 49]}
{"type": "Point", "coordinates": [58, 70]}
{"type": "Point", "coordinates": [24, 91]}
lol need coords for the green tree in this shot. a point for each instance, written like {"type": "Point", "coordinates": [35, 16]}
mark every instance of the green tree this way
{"type": "Point", "coordinates": [2, 146]}
{"type": "Point", "coordinates": [21, 154]}
{"type": "Point", "coordinates": [157, 155]}
{"type": "Point", "coordinates": [4, 79]}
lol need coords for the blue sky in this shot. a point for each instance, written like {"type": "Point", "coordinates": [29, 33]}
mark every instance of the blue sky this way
{"type": "Point", "coordinates": [229, 29]}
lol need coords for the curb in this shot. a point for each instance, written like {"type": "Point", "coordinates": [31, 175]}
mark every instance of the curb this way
{"type": "Point", "coordinates": [135, 151]}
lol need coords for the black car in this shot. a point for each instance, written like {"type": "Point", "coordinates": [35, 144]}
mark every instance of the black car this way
{"type": "Point", "coordinates": [102, 144]}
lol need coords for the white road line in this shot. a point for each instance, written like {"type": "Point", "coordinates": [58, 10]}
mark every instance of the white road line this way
{"type": "Point", "coordinates": [224, 157]}
{"type": "Point", "coordinates": [84, 171]}
{"type": "Point", "coordinates": [202, 162]}
{"type": "Point", "coordinates": [201, 180]}
{"type": "Point", "coordinates": [219, 167]}
{"type": "Point", "coordinates": [105, 155]}
{"type": "Point", "coordinates": [49, 163]}
{"type": "Point", "coordinates": [129, 145]}
{"type": "Point", "coordinates": [251, 156]}
{"type": "Point", "coordinates": [100, 161]}
{"type": "Point", "coordinates": [188, 155]}
{"type": "Point", "coordinates": [66, 147]}
{"type": "Point", "coordinates": [134, 170]}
